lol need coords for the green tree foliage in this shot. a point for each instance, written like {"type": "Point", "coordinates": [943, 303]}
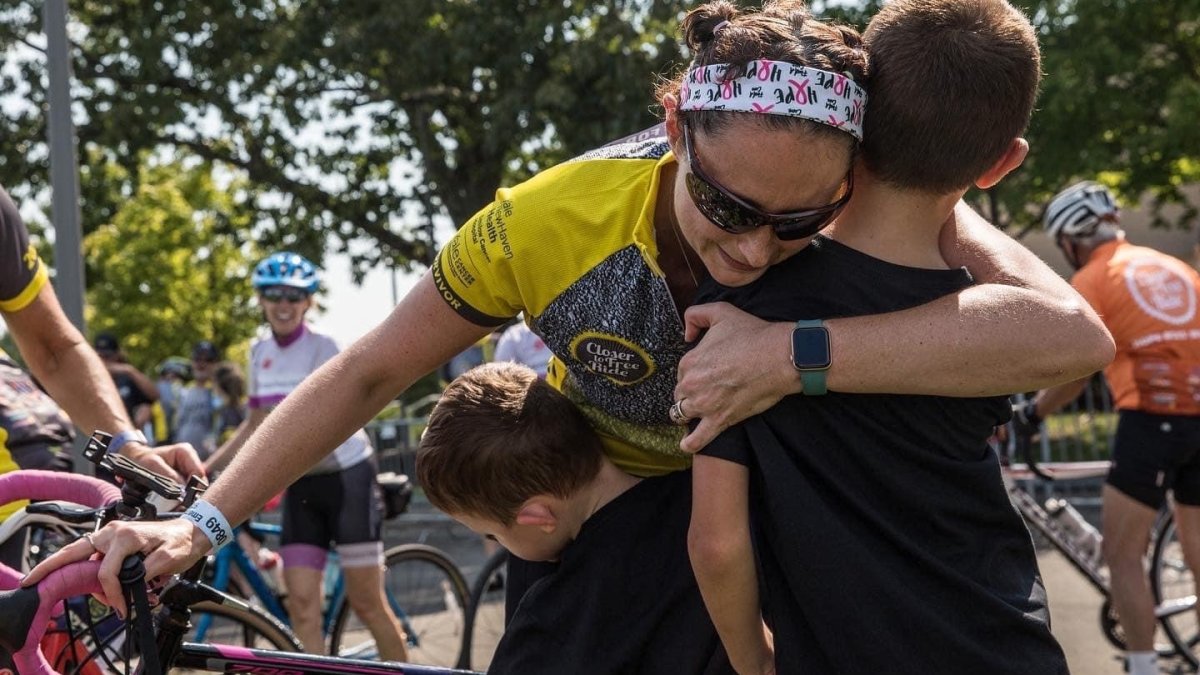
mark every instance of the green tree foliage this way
{"type": "Point", "coordinates": [1119, 102]}
{"type": "Point", "coordinates": [365, 119]}
{"type": "Point", "coordinates": [170, 269]}
{"type": "Point", "coordinates": [351, 118]}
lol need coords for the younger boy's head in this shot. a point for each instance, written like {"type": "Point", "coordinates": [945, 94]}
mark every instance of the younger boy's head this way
{"type": "Point", "coordinates": [952, 87]}
{"type": "Point", "coordinates": [505, 453]}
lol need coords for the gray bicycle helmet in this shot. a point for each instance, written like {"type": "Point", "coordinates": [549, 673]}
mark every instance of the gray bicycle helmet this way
{"type": "Point", "coordinates": [1078, 210]}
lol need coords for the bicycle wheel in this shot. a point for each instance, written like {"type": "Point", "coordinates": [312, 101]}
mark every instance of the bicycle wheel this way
{"type": "Point", "coordinates": [251, 627]}
{"type": "Point", "coordinates": [485, 620]}
{"type": "Point", "coordinates": [1175, 592]}
{"type": "Point", "coordinates": [88, 639]}
{"type": "Point", "coordinates": [228, 625]}
{"type": "Point", "coordinates": [427, 593]}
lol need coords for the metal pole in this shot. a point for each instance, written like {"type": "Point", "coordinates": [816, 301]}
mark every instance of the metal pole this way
{"type": "Point", "coordinates": [64, 170]}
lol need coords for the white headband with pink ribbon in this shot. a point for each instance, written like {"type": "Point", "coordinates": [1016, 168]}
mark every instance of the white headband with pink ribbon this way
{"type": "Point", "coordinates": [778, 88]}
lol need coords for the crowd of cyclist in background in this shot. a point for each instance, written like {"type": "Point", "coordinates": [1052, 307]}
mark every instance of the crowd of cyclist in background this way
{"type": "Point", "coordinates": [200, 400]}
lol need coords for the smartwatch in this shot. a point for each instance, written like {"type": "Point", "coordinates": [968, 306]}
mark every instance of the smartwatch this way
{"type": "Point", "coordinates": [811, 354]}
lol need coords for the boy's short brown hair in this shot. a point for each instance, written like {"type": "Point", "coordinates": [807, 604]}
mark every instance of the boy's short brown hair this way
{"type": "Point", "coordinates": [498, 436]}
{"type": "Point", "coordinates": [952, 83]}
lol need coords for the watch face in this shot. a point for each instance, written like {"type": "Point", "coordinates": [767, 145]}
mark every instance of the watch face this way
{"type": "Point", "coordinates": [810, 348]}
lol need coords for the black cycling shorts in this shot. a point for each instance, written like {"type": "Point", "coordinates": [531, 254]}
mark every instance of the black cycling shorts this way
{"type": "Point", "coordinates": [1154, 453]}
{"type": "Point", "coordinates": [342, 507]}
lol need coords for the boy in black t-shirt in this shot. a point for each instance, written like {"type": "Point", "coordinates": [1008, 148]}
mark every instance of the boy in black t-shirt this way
{"type": "Point", "coordinates": [514, 460]}
{"type": "Point", "coordinates": [884, 535]}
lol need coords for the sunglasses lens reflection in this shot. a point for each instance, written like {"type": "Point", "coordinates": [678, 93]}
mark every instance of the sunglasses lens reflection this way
{"type": "Point", "coordinates": [731, 217]}
{"type": "Point", "coordinates": [292, 295]}
{"type": "Point", "coordinates": [729, 213]}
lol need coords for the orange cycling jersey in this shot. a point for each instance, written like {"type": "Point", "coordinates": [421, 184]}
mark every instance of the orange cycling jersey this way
{"type": "Point", "coordinates": [1148, 301]}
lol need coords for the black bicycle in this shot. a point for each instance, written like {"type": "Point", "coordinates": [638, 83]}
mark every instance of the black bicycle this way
{"type": "Point", "coordinates": [1062, 526]}
{"type": "Point", "coordinates": [153, 638]}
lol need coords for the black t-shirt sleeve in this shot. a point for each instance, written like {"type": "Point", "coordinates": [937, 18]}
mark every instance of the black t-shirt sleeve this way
{"type": "Point", "coordinates": [732, 445]}
{"type": "Point", "coordinates": [21, 271]}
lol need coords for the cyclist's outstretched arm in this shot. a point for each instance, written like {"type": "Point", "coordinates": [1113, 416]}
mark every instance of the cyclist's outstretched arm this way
{"type": "Point", "coordinates": [1051, 400]}
{"type": "Point", "coordinates": [341, 397]}
{"type": "Point", "coordinates": [420, 334]}
{"type": "Point", "coordinates": [1020, 328]}
{"type": "Point", "coordinates": [77, 380]}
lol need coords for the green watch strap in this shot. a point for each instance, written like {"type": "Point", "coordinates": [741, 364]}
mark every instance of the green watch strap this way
{"type": "Point", "coordinates": [813, 380]}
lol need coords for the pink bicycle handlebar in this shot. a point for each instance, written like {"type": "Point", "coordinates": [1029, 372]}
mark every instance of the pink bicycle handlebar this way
{"type": "Point", "coordinates": [67, 487]}
{"type": "Point", "coordinates": [25, 613]}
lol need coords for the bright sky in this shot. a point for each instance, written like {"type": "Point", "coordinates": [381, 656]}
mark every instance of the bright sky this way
{"type": "Point", "coordinates": [351, 311]}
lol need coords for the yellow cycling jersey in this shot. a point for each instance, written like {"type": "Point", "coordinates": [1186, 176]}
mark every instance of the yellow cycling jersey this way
{"type": "Point", "coordinates": [574, 249]}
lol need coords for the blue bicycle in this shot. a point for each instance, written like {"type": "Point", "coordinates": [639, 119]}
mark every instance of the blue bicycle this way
{"type": "Point", "coordinates": [424, 587]}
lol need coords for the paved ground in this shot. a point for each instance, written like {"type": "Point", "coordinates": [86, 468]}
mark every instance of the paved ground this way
{"type": "Point", "coordinates": [1074, 615]}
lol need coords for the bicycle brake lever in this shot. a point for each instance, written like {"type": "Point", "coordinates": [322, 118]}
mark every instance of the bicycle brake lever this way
{"type": "Point", "coordinates": [67, 512]}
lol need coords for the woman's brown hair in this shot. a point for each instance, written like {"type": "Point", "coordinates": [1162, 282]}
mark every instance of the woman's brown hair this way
{"type": "Point", "coordinates": [784, 30]}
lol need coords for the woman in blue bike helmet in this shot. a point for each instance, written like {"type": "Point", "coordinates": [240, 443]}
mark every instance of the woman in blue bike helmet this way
{"type": "Point", "coordinates": [337, 503]}
{"type": "Point", "coordinates": [286, 269]}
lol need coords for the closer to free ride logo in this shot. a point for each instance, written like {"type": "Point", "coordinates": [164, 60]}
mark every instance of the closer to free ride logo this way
{"type": "Point", "coordinates": [616, 358]}
{"type": "Point", "coordinates": [1160, 291]}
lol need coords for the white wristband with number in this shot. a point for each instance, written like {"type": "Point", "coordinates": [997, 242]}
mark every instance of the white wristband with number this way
{"type": "Point", "coordinates": [211, 522]}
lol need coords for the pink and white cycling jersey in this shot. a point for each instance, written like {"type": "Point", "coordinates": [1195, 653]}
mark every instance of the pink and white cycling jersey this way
{"type": "Point", "coordinates": [277, 368]}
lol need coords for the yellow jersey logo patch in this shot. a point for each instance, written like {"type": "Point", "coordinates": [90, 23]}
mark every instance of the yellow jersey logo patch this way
{"type": "Point", "coordinates": [615, 358]}
{"type": "Point", "coordinates": [30, 257]}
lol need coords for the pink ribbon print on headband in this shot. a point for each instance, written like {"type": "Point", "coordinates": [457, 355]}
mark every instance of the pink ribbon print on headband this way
{"type": "Point", "coordinates": [778, 88]}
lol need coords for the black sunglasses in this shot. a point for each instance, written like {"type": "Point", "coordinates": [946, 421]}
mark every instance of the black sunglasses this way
{"type": "Point", "coordinates": [284, 294]}
{"type": "Point", "coordinates": [733, 214]}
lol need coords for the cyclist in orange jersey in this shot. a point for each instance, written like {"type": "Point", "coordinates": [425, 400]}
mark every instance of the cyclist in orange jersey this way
{"type": "Point", "coordinates": [1148, 301]}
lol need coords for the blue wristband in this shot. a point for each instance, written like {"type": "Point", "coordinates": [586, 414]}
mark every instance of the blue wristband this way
{"type": "Point", "coordinates": [124, 437]}
{"type": "Point", "coordinates": [209, 520]}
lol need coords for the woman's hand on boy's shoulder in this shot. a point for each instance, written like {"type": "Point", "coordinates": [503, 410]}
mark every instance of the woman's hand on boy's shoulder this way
{"type": "Point", "coordinates": [739, 368]}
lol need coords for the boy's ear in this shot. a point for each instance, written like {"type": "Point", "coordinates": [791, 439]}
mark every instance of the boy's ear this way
{"type": "Point", "coordinates": [1011, 159]}
{"type": "Point", "coordinates": [538, 513]}
{"type": "Point", "coordinates": [670, 105]}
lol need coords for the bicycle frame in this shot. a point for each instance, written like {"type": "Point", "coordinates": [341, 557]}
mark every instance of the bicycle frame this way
{"type": "Point", "coordinates": [1035, 515]}
{"type": "Point", "coordinates": [228, 659]}
{"type": "Point", "coordinates": [1089, 566]}
{"type": "Point", "coordinates": [233, 556]}
{"type": "Point", "coordinates": [223, 659]}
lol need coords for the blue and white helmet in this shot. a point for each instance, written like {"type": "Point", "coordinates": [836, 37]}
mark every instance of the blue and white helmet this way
{"type": "Point", "coordinates": [286, 269]}
{"type": "Point", "coordinates": [1078, 210]}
